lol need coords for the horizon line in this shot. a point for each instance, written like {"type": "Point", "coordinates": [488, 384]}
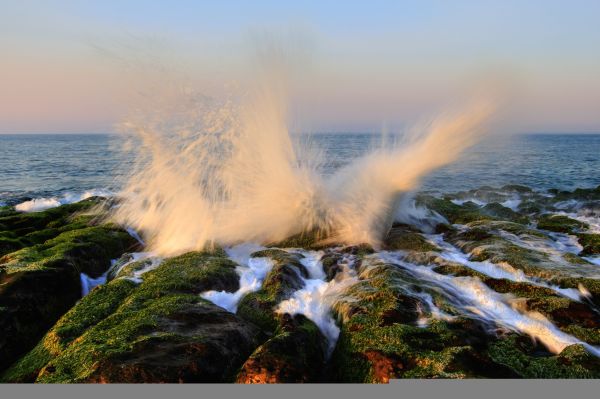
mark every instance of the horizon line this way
{"type": "Point", "coordinates": [314, 132]}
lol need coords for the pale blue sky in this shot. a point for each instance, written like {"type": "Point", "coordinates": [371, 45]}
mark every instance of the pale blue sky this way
{"type": "Point", "coordinates": [373, 63]}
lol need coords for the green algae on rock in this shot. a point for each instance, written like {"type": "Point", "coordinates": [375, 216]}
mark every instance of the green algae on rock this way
{"type": "Point", "coordinates": [393, 324]}
{"type": "Point", "coordinates": [380, 338]}
{"type": "Point", "coordinates": [590, 243]}
{"type": "Point", "coordinates": [560, 224]}
{"type": "Point", "coordinates": [279, 284]}
{"type": "Point", "coordinates": [516, 353]}
{"type": "Point", "coordinates": [454, 213]}
{"type": "Point", "coordinates": [40, 282]}
{"type": "Point", "coordinates": [295, 354]}
{"type": "Point", "coordinates": [19, 230]}
{"type": "Point", "coordinates": [403, 237]}
{"type": "Point", "coordinates": [158, 331]}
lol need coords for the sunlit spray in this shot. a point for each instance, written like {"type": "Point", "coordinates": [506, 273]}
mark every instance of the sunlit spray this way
{"type": "Point", "coordinates": [225, 172]}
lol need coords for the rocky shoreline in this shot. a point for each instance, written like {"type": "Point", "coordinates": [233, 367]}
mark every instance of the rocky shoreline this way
{"type": "Point", "coordinates": [489, 283]}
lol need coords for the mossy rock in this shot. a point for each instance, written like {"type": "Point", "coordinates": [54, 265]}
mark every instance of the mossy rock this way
{"type": "Point", "coordinates": [589, 335]}
{"type": "Point", "coordinates": [359, 250]}
{"type": "Point", "coordinates": [592, 285]}
{"type": "Point", "coordinates": [7, 210]}
{"type": "Point", "coordinates": [455, 214]}
{"type": "Point", "coordinates": [482, 245]}
{"type": "Point", "coordinates": [515, 353]}
{"type": "Point", "coordinates": [193, 273]}
{"type": "Point", "coordinates": [577, 260]}
{"type": "Point", "coordinates": [590, 243]}
{"type": "Point", "coordinates": [295, 354]}
{"type": "Point", "coordinates": [314, 239]}
{"type": "Point", "coordinates": [493, 226]}
{"type": "Point", "coordinates": [578, 194]}
{"type": "Point", "coordinates": [93, 308]}
{"type": "Point", "coordinates": [40, 283]}
{"type": "Point", "coordinates": [88, 250]}
{"type": "Point", "coordinates": [331, 267]}
{"type": "Point", "coordinates": [406, 239]}
{"type": "Point", "coordinates": [529, 207]}
{"type": "Point", "coordinates": [498, 211]}
{"type": "Point", "coordinates": [371, 349]}
{"type": "Point", "coordinates": [560, 224]}
{"type": "Point", "coordinates": [380, 338]}
{"type": "Point", "coordinates": [564, 312]}
{"type": "Point", "coordinates": [280, 283]}
{"type": "Point", "coordinates": [19, 230]}
{"type": "Point", "coordinates": [158, 331]}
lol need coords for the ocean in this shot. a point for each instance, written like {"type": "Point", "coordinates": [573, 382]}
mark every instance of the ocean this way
{"type": "Point", "coordinates": [57, 165]}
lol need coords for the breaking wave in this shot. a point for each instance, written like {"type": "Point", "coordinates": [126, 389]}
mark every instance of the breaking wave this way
{"type": "Point", "coordinates": [230, 172]}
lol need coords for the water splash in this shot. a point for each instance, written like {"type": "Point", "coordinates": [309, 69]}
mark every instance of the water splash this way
{"type": "Point", "coordinates": [252, 272]}
{"type": "Point", "coordinates": [89, 283]}
{"type": "Point", "coordinates": [230, 172]}
{"type": "Point", "coordinates": [149, 259]}
{"type": "Point", "coordinates": [500, 270]}
{"type": "Point", "coordinates": [475, 298]}
{"type": "Point", "coordinates": [41, 204]}
{"type": "Point", "coordinates": [315, 300]}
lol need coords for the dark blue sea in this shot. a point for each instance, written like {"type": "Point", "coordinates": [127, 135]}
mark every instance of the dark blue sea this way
{"type": "Point", "coordinates": [34, 166]}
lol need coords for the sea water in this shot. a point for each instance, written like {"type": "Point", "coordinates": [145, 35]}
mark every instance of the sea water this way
{"type": "Point", "coordinates": [58, 165]}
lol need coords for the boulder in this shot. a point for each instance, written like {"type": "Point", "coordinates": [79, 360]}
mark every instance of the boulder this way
{"type": "Point", "coordinates": [381, 337]}
{"type": "Point", "coordinates": [295, 354]}
{"type": "Point", "coordinates": [158, 331]}
{"type": "Point", "coordinates": [403, 237]}
{"type": "Point", "coordinates": [41, 281]}
{"type": "Point", "coordinates": [282, 281]}
{"type": "Point", "coordinates": [559, 224]}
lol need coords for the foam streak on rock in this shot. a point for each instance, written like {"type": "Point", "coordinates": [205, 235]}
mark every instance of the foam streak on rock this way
{"type": "Point", "coordinates": [481, 302]}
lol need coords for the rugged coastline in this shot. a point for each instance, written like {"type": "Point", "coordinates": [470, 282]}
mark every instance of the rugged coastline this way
{"type": "Point", "coordinates": [488, 283]}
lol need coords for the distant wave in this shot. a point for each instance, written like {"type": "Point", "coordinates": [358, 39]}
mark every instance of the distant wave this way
{"type": "Point", "coordinates": [41, 204]}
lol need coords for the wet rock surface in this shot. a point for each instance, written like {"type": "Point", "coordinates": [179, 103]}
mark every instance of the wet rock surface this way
{"type": "Point", "coordinates": [284, 278]}
{"type": "Point", "coordinates": [296, 353]}
{"type": "Point", "coordinates": [39, 279]}
{"type": "Point", "coordinates": [497, 283]}
{"type": "Point", "coordinates": [158, 331]}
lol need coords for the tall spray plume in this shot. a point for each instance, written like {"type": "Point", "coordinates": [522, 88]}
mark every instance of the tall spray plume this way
{"type": "Point", "coordinates": [223, 172]}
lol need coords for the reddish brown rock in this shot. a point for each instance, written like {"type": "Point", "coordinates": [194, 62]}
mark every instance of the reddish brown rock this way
{"type": "Point", "coordinates": [295, 354]}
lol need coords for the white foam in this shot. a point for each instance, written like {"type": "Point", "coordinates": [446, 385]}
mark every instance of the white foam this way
{"type": "Point", "coordinates": [593, 259]}
{"type": "Point", "coordinates": [481, 302]}
{"type": "Point", "coordinates": [312, 262]}
{"type": "Point", "coordinates": [409, 212]}
{"type": "Point", "coordinates": [512, 203]}
{"type": "Point", "coordinates": [41, 204]}
{"type": "Point", "coordinates": [497, 270]}
{"type": "Point", "coordinates": [316, 298]}
{"type": "Point", "coordinates": [36, 205]}
{"type": "Point", "coordinates": [556, 245]}
{"type": "Point", "coordinates": [252, 272]}
{"type": "Point", "coordinates": [136, 275]}
{"type": "Point", "coordinates": [434, 310]}
{"type": "Point", "coordinates": [566, 204]}
{"type": "Point", "coordinates": [464, 200]}
{"type": "Point", "coordinates": [131, 231]}
{"type": "Point", "coordinates": [88, 283]}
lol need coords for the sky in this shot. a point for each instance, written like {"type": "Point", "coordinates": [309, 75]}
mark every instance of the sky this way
{"type": "Point", "coordinates": [77, 66]}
